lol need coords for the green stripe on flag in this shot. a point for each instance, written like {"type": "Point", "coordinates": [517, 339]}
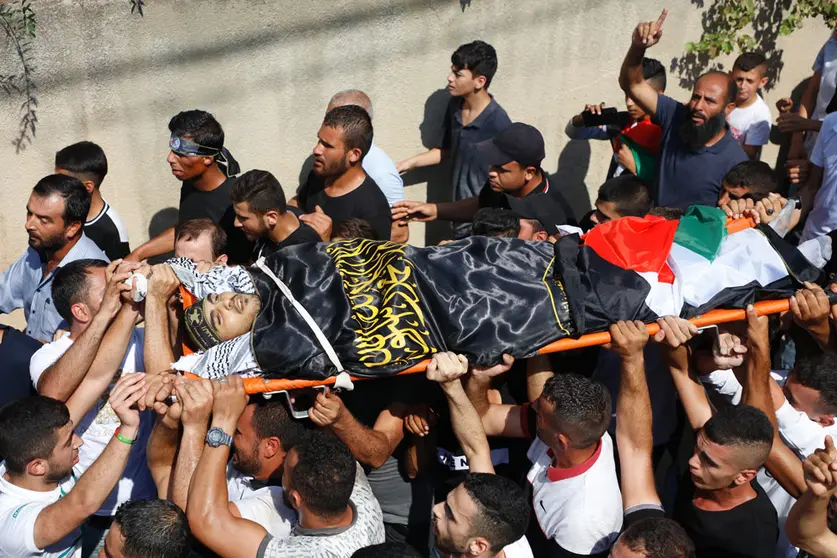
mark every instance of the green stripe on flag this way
{"type": "Point", "coordinates": [646, 163]}
{"type": "Point", "coordinates": [701, 230]}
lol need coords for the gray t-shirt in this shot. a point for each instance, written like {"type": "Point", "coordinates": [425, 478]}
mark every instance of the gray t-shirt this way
{"type": "Point", "coordinates": [366, 529]}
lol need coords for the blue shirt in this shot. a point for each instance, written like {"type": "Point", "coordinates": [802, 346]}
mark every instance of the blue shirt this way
{"type": "Point", "coordinates": [469, 172]}
{"type": "Point", "coordinates": [687, 177]}
{"type": "Point", "coordinates": [380, 168]}
{"type": "Point", "coordinates": [23, 285]}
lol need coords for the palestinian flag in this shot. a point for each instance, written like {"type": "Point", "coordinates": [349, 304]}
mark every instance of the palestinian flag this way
{"type": "Point", "coordinates": [643, 139]}
{"type": "Point", "coordinates": [644, 268]}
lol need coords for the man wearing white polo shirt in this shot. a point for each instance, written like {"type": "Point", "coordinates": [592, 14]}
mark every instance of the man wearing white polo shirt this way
{"type": "Point", "coordinates": [41, 511]}
{"type": "Point", "coordinates": [576, 500]}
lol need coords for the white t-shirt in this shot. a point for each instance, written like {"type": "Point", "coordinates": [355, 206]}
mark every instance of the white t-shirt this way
{"type": "Point", "coordinates": [266, 506]}
{"type": "Point", "coordinates": [751, 125]}
{"type": "Point", "coordinates": [823, 217]}
{"type": "Point", "coordinates": [98, 426]}
{"type": "Point", "coordinates": [578, 509]}
{"type": "Point", "coordinates": [518, 549]}
{"type": "Point", "coordinates": [19, 508]}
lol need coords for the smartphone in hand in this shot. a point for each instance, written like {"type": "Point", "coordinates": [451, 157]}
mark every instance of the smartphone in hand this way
{"type": "Point", "coordinates": [609, 116]}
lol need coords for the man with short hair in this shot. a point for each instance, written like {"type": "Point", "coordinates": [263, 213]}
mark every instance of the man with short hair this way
{"type": "Point", "coordinates": [42, 503]}
{"type": "Point", "coordinates": [201, 240]}
{"type": "Point", "coordinates": [338, 184]}
{"type": "Point", "coordinates": [86, 161]}
{"type": "Point", "coordinates": [338, 513]}
{"type": "Point", "coordinates": [750, 189]}
{"type": "Point", "coordinates": [514, 158]}
{"type": "Point", "coordinates": [376, 163]}
{"type": "Point", "coordinates": [623, 196]}
{"type": "Point", "coordinates": [654, 538]}
{"type": "Point", "coordinates": [55, 216]}
{"type": "Point", "coordinates": [576, 503]}
{"type": "Point", "coordinates": [146, 529]}
{"type": "Point", "coordinates": [472, 116]}
{"type": "Point", "coordinates": [635, 140]}
{"type": "Point", "coordinates": [261, 212]}
{"type": "Point", "coordinates": [79, 368]}
{"type": "Point", "coordinates": [750, 121]}
{"type": "Point", "coordinates": [206, 169]}
{"type": "Point", "coordinates": [697, 148]}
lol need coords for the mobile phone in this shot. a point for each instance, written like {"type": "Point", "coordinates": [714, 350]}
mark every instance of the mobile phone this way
{"type": "Point", "coordinates": [608, 116]}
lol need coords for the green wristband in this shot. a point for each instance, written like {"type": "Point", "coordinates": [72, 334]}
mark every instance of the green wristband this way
{"type": "Point", "coordinates": [123, 439]}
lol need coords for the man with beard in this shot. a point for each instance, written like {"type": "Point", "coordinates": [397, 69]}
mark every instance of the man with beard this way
{"type": "Point", "coordinates": [338, 185]}
{"type": "Point", "coordinates": [697, 147]}
{"type": "Point", "coordinates": [42, 505]}
{"type": "Point", "coordinates": [55, 216]}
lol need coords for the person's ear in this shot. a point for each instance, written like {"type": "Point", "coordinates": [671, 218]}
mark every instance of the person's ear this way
{"type": "Point", "coordinates": [541, 235]}
{"type": "Point", "coordinates": [270, 447]}
{"type": "Point", "coordinates": [222, 259]}
{"type": "Point", "coordinates": [745, 476]}
{"type": "Point", "coordinates": [81, 313]}
{"type": "Point", "coordinates": [529, 173]}
{"type": "Point", "coordinates": [354, 155]}
{"type": "Point", "coordinates": [89, 186]}
{"type": "Point", "coordinates": [271, 218]}
{"type": "Point", "coordinates": [478, 546]}
{"type": "Point", "coordinates": [763, 82]}
{"type": "Point", "coordinates": [207, 161]}
{"type": "Point", "coordinates": [37, 467]}
{"type": "Point", "coordinates": [729, 108]}
{"type": "Point", "coordinates": [563, 442]}
{"type": "Point", "coordinates": [479, 83]}
{"type": "Point", "coordinates": [295, 500]}
{"type": "Point", "coordinates": [72, 229]}
{"type": "Point", "coordinates": [825, 420]}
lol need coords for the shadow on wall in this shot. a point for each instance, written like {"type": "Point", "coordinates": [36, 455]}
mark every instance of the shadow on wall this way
{"type": "Point", "coordinates": [437, 177]}
{"type": "Point", "coordinates": [766, 22]}
{"type": "Point", "coordinates": [304, 171]}
{"type": "Point", "coordinates": [783, 141]}
{"type": "Point", "coordinates": [162, 220]}
{"type": "Point", "coordinates": [573, 164]}
{"type": "Point", "coordinates": [464, 4]}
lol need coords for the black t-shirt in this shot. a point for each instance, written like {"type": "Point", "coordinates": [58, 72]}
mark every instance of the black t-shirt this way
{"type": "Point", "coordinates": [749, 530]}
{"type": "Point", "coordinates": [216, 205]}
{"type": "Point", "coordinates": [365, 202]}
{"type": "Point", "coordinates": [304, 234]}
{"type": "Point", "coordinates": [109, 233]}
{"type": "Point", "coordinates": [16, 349]}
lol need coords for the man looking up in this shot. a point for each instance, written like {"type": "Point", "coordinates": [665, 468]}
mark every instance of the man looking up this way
{"type": "Point", "coordinates": [338, 184]}
{"type": "Point", "coordinates": [697, 147]}
{"type": "Point", "coordinates": [263, 215]}
{"type": "Point", "coordinates": [86, 161]}
{"type": "Point", "coordinates": [199, 160]}
{"type": "Point", "coordinates": [750, 121]}
{"type": "Point", "coordinates": [55, 216]}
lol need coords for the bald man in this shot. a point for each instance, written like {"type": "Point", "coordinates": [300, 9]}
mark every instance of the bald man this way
{"type": "Point", "coordinates": [376, 163]}
{"type": "Point", "coordinates": [697, 148]}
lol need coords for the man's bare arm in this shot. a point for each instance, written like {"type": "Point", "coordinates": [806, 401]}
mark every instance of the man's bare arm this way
{"type": "Point", "coordinates": [631, 79]}
{"type": "Point", "coordinates": [157, 246]}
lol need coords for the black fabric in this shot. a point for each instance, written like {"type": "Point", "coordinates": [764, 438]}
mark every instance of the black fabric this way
{"type": "Point", "coordinates": [365, 202]}
{"type": "Point", "coordinates": [554, 209]}
{"type": "Point", "coordinates": [216, 205]}
{"type": "Point", "coordinates": [103, 231]}
{"type": "Point", "coordinates": [16, 349]}
{"type": "Point", "coordinates": [480, 297]}
{"type": "Point", "coordinates": [304, 234]}
{"type": "Point", "coordinates": [542, 547]}
{"type": "Point", "coordinates": [748, 530]}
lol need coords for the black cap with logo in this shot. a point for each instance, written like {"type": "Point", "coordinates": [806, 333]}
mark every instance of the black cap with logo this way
{"type": "Point", "coordinates": [519, 142]}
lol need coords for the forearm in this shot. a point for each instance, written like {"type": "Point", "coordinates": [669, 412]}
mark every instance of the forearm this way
{"type": "Point", "coordinates": [158, 353]}
{"type": "Point", "coordinates": [188, 457]}
{"type": "Point", "coordinates": [461, 211]}
{"type": "Point", "coordinates": [368, 446]}
{"type": "Point", "coordinates": [630, 74]}
{"type": "Point", "coordinates": [785, 467]}
{"type": "Point", "coordinates": [467, 427]}
{"type": "Point", "coordinates": [60, 380]}
{"type": "Point", "coordinates": [757, 392]}
{"type": "Point", "coordinates": [157, 246]}
{"type": "Point", "coordinates": [160, 454]}
{"type": "Point", "coordinates": [426, 159]}
{"type": "Point", "coordinates": [633, 408]}
{"type": "Point", "coordinates": [477, 391]}
{"type": "Point", "coordinates": [538, 372]}
{"type": "Point", "coordinates": [809, 97]}
{"type": "Point", "coordinates": [807, 525]}
{"type": "Point", "coordinates": [690, 390]}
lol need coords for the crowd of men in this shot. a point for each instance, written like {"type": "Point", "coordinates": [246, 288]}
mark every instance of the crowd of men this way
{"type": "Point", "coordinates": [688, 443]}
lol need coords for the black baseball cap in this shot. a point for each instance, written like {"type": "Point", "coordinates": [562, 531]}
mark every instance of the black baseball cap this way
{"type": "Point", "coordinates": [519, 142]}
{"type": "Point", "coordinates": [540, 207]}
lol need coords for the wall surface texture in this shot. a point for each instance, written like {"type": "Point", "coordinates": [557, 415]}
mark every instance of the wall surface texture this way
{"type": "Point", "coordinates": [266, 68]}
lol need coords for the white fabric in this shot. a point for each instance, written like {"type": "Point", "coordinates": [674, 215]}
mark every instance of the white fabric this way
{"type": "Point", "coordinates": [380, 168]}
{"type": "Point", "coordinates": [751, 125]}
{"type": "Point", "coordinates": [817, 250]}
{"type": "Point", "coordinates": [266, 506]}
{"type": "Point", "coordinates": [518, 549]}
{"type": "Point", "coordinates": [826, 65]}
{"type": "Point", "coordinates": [583, 513]}
{"type": "Point", "coordinates": [823, 217]}
{"type": "Point", "coordinates": [98, 426]}
{"type": "Point", "coordinates": [19, 508]}
{"type": "Point", "coordinates": [230, 357]}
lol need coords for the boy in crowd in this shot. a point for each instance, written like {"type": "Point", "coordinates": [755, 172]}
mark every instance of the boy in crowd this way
{"type": "Point", "coordinates": [472, 116]}
{"type": "Point", "coordinates": [86, 161]}
{"type": "Point", "coordinates": [636, 143]}
{"type": "Point", "coordinates": [750, 120]}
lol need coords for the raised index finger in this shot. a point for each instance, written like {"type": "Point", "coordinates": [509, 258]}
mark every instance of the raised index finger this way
{"type": "Point", "coordinates": [662, 18]}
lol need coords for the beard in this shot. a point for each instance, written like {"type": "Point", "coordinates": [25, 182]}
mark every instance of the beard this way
{"type": "Point", "coordinates": [695, 135]}
{"type": "Point", "coordinates": [49, 244]}
{"type": "Point", "coordinates": [247, 464]}
{"type": "Point", "coordinates": [333, 169]}
{"type": "Point", "coordinates": [57, 475]}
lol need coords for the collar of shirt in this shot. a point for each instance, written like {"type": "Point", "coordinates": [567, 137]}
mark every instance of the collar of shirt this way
{"type": "Point", "coordinates": [15, 491]}
{"type": "Point", "coordinates": [84, 248]}
{"type": "Point", "coordinates": [486, 113]}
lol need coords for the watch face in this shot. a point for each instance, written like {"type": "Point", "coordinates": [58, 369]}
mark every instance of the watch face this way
{"type": "Point", "coordinates": [215, 437]}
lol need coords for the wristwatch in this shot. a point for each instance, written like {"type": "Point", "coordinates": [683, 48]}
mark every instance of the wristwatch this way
{"type": "Point", "coordinates": [217, 438]}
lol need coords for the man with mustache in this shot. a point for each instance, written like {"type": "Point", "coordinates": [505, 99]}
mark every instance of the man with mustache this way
{"type": "Point", "coordinates": [697, 147]}
{"type": "Point", "coordinates": [55, 216]}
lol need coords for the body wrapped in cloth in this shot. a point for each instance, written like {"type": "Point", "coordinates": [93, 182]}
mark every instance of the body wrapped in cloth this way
{"type": "Point", "coordinates": [383, 307]}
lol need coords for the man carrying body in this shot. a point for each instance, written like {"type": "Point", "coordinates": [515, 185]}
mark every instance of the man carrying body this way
{"type": "Point", "coordinates": [697, 147]}
{"type": "Point", "coordinates": [55, 216]}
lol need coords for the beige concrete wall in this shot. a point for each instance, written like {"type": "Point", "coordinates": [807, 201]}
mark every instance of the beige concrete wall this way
{"type": "Point", "coordinates": [266, 68]}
